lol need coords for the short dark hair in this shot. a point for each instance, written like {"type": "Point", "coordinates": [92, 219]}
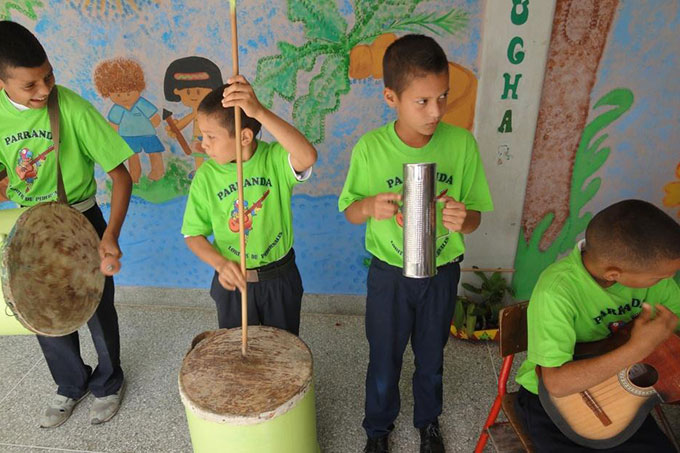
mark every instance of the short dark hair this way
{"type": "Point", "coordinates": [190, 72]}
{"type": "Point", "coordinates": [19, 48]}
{"type": "Point", "coordinates": [412, 56]}
{"type": "Point", "coordinates": [633, 232]}
{"type": "Point", "coordinates": [212, 105]}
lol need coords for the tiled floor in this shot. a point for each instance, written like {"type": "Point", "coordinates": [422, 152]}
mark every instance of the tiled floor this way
{"type": "Point", "coordinates": [156, 329]}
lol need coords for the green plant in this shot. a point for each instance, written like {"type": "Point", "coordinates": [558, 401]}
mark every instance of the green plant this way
{"type": "Point", "coordinates": [480, 312]}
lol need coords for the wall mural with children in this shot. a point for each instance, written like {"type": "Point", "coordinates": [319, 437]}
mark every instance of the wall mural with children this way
{"type": "Point", "coordinates": [147, 64]}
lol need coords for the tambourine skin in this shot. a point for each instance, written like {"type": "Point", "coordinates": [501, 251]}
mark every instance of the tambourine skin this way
{"type": "Point", "coordinates": [50, 269]}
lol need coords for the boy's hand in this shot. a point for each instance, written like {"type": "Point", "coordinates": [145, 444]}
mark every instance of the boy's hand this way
{"type": "Point", "coordinates": [453, 214]}
{"type": "Point", "coordinates": [109, 246]}
{"type": "Point", "coordinates": [240, 93]}
{"type": "Point", "coordinates": [649, 333]}
{"type": "Point", "coordinates": [230, 276]}
{"type": "Point", "coordinates": [382, 206]}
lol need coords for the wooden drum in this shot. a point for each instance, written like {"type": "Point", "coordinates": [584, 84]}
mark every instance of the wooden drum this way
{"type": "Point", "coordinates": [261, 403]}
{"type": "Point", "coordinates": [50, 269]}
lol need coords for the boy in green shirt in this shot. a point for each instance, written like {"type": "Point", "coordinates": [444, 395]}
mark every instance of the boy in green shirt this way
{"type": "Point", "coordinates": [416, 80]}
{"type": "Point", "coordinates": [621, 272]}
{"type": "Point", "coordinates": [270, 171]}
{"type": "Point", "coordinates": [26, 80]}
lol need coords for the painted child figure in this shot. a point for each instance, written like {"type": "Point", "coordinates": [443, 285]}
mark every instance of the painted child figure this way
{"type": "Point", "coordinates": [621, 273]}
{"type": "Point", "coordinates": [188, 80]}
{"type": "Point", "coordinates": [26, 80]}
{"type": "Point", "coordinates": [415, 72]}
{"type": "Point", "coordinates": [132, 115]}
{"type": "Point", "coordinates": [270, 171]}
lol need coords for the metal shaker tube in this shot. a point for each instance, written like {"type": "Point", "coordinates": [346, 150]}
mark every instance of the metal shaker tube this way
{"type": "Point", "coordinates": [420, 227]}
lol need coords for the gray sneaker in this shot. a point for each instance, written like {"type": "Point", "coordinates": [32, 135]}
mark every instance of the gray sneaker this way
{"type": "Point", "coordinates": [103, 409]}
{"type": "Point", "coordinates": [59, 410]}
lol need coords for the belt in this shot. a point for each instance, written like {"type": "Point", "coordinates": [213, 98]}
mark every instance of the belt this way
{"type": "Point", "coordinates": [385, 265]}
{"type": "Point", "coordinates": [83, 205]}
{"type": "Point", "coordinates": [272, 270]}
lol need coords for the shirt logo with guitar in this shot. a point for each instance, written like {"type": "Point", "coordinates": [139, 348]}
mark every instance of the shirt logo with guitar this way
{"type": "Point", "coordinates": [28, 164]}
{"type": "Point", "coordinates": [250, 212]}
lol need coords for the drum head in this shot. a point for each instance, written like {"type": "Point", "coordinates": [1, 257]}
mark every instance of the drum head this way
{"type": "Point", "coordinates": [50, 274]}
{"type": "Point", "coordinates": [219, 385]}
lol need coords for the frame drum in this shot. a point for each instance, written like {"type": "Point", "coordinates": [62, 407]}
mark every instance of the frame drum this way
{"type": "Point", "coordinates": [50, 269]}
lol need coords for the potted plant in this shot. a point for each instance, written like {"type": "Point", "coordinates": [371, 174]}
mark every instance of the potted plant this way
{"type": "Point", "coordinates": [476, 316]}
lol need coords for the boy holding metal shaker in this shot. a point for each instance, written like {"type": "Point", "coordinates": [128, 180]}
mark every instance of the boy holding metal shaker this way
{"type": "Point", "coordinates": [415, 72]}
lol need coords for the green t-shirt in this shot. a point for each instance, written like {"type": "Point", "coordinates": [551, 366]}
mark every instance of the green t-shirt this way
{"type": "Point", "coordinates": [568, 306]}
{"type": "Point", "coordinates": [86, 138]}
{"type": "Point", "coordinates": [268, 181]}
{"type": "Point", "coordinates": [376, 167]}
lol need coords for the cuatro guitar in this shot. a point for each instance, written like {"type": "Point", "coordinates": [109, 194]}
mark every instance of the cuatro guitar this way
{"type": "Point", "coordinates": [607, 414]}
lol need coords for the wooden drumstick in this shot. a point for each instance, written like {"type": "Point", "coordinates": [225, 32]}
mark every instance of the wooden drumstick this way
{"type": "Point", "coordinates": [239, 176]}
{"type": "Point", "coordinates": [110, 265]}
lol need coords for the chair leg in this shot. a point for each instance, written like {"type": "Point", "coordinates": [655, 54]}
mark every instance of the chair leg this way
{"type": "Point", "coordinates": [496, 407]}
{"type": "Point", "coordinates": [667, 427]}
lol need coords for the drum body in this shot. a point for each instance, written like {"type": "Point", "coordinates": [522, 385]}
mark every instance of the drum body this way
{"type": "Point", "coordinates": [50, 269]}
{"type": "Point", "coordinates": [263, 403]}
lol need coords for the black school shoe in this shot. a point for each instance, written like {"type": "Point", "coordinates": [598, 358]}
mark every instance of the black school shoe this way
{"type": "Point", "coordinates": [377, 445]}
{"type": "Point", "coordinates": [431, 439]}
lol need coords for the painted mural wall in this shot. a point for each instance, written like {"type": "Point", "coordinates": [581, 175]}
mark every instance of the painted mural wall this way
{"type": "Point", "coordinates": [607, 126]}
{"type": "Point", "coordinates": [147, 64]}
{"type": "Point", "coordinates": [594, 118]}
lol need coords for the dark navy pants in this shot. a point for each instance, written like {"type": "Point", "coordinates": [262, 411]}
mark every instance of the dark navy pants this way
{"type": "Point", "coordinates": [547, 437]}
{"type": "Point", "coordinates": [62, 354]}
{"type": "Point", "coordinates": [273, 302]}
{"type": "Point", "coordinates": [398, 309]}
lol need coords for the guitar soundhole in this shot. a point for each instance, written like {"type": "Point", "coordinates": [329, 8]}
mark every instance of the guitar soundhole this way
{"type": "Point", "coordinates": [643, 375]}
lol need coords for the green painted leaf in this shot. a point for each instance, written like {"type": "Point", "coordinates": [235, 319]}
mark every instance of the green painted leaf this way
{"type": "Point", "coordinates": [278, 73]}
{"type": "Point", "coordinates": [310, 110]}
{"type": "Point", "coordinates": [373, 18]}
{"type": "Point", "coordinates": [451, 23]}
{"type": "Point", "coordinates": [322, 19]}
{"type": "Point", "coordinates": [25, 7]}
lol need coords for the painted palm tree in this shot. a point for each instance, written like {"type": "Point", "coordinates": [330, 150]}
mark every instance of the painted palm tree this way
{"type": "Point", "coordinates": [329, 39]}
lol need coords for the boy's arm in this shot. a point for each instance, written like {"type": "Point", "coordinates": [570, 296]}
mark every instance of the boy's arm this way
{"type": "Point", "coordinates": [120, 198]}
{"type": "Point", "coordinates": [240, 93]}
{"type": "Point", "coordinates": [472, 222]}
{"type": "Point", "coordinates": [456, 217]}
{"type": "Point", "coordinates": [380, 207]}
{"type": "Point", "coordinates": [579, 375]}
{"type": "Point", "coordinates": [230, 275]}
